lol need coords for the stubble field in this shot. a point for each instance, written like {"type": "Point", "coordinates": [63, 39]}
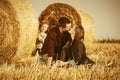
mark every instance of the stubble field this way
{"type": "Point", "coordinates": [107, 67]}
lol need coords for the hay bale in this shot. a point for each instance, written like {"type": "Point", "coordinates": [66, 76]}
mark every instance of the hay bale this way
{"type": "Point", "coordinates": [88, 25]}
{"type": "Point", "coordinates": [18, 29]}
{"type": "Point", "coordinates": [54, 11]}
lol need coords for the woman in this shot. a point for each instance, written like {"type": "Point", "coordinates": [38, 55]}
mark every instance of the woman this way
{"type": "Point", "coordinates": [74, 52]}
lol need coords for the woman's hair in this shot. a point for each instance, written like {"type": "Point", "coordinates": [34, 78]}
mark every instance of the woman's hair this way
{"type": "Point", "coordinates": [79, 32]}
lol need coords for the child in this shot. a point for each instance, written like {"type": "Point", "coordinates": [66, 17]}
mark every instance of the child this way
{"type": "Point", "coordinates": [40, 38]}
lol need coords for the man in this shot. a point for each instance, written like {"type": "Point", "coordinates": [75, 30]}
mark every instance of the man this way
{"type": "Point", "coordinates": [55, 40]}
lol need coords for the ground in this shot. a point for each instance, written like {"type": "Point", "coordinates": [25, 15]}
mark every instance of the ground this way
{"type": "Point", "coordinates": [107, 67]}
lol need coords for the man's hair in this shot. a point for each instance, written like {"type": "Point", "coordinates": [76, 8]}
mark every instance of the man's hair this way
{"type": "Point", "coordinates": [63, 21]}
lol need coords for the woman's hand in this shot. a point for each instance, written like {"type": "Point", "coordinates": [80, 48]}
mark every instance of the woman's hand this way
{"type": "Point", "coordinates": [61, 63]}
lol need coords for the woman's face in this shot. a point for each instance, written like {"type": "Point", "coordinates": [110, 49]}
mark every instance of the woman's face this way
{"type": "Point", "coordinates": [72, 31]}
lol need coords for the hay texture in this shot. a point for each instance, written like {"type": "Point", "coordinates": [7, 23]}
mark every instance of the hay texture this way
{"type": "Point", "coordinates": [89, 28]}
{"type": "Point", "coordinates": [54, 11]}
{"type": "Point", "coordinates": [18, 30]}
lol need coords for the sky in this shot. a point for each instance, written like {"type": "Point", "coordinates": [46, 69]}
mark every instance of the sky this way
{"type": "Point", "coordinates": [105, 14]}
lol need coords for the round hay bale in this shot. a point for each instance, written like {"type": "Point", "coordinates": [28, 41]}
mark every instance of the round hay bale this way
{"type": "Point", "coordinates": [88, 25]}
{"type": "Point", "coordinates": [18, 30]}
{"type": "Point", "coordinates": [54, 11]}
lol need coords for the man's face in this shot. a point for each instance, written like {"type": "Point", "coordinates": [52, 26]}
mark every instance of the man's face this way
{"type": "Point", "coordinates": [68, 27]}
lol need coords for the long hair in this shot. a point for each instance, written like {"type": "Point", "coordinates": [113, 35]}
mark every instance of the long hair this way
{"type": "Point", "coordinates": [79, 32]}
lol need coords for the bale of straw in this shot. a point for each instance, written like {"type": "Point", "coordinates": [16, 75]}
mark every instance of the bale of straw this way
{"type": "Point", "coordinates": [54, 11]}
{"type": "Point", "coordinates": [18, 30]}
{"type": "Point", "coordinates": [89, 28]}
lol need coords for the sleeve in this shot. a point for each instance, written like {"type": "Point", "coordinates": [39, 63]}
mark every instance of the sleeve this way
{"type": "Point", "coordinates": [50, 42]}
{"type": "Point", "coordinates": [39, 39]}
{"type": "Point", "coordinates": [65, 38]}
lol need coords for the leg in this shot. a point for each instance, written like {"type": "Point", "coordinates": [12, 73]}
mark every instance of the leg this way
{"type": "Point", "coordinates": [63, 55]}
{"type": "Point", "coordinates": [86, 60]}
{"type": "Point", "coordinates": [78, 51]}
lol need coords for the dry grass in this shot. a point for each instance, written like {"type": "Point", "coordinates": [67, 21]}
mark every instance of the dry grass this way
{"type": "Point", "coordinates": [18, 29]}
{"type": "Point", "coordinates": [106, 56]}
{"type": "Point", "coordinates": [54, 11]}
{"type": "Point", "coordinates": [89, 27]}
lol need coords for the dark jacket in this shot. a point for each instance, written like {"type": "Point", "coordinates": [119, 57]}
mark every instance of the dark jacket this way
{"type": "Point", "coordinates": [54, 42]}
{"type": "Point", "coordinates": [76, 52]}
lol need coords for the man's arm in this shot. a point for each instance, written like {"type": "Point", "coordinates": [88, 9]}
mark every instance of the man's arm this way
{"type": "Point", "coordinates": [50, 41]}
